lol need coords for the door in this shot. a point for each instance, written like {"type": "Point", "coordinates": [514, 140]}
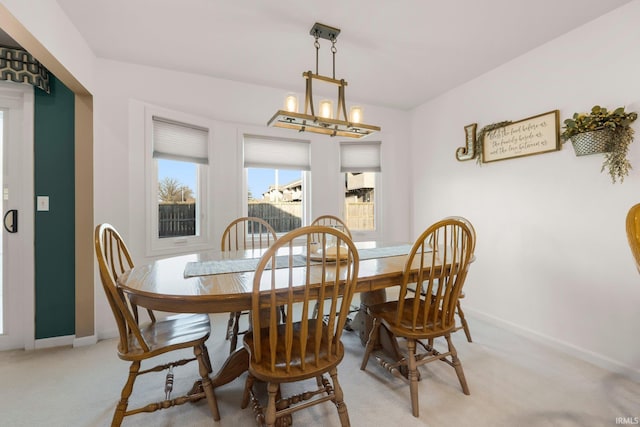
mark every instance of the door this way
{"type": "Point", "coordinates": [17, 252]}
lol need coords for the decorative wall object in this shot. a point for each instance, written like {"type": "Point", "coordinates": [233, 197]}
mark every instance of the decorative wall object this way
{"type": "Point", "coordinates": [468, 152]}
{"type": "Point", "coordinates": [593, 142]}
{"type": "Point", "coordinates": [506, 140]}
{"type": "Point", "coordinates": [473, 149]}
{"type": "Point", "coordinates": [17, 65]}
{"type": "Point", "coordinates": [603, 131]}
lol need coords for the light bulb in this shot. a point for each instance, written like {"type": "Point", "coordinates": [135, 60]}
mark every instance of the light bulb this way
{"type": "Point", "coordinates": [326, 109]}
{"type": "Point", "coordinates": [355, 114]}
{"type": "Point", "coordinates": [291, 103]}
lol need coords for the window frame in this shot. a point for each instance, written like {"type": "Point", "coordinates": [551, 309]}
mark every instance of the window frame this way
{"type": "Point", "coordinates": [305, 174]}
{"type": "Point", "coordinates": [306, 180]}
{"type": "Point", "coordinates": [204, 213]}
{"type": "Point", "coordinates": [376, 233]}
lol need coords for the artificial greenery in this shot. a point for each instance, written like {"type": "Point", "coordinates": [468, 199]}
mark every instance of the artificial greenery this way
{"type": "Point", "coordinates": [480, 138]}
{"type": "Point", "coordinates": [615, 159]}
{"type": "Point", "coordinates": [599, 118]}
{"type": "Point", "coordinates": [619, 123]}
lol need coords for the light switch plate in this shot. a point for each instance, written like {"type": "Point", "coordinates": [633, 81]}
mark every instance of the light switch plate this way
{"type": "Point", "coordinates": [42, 203]}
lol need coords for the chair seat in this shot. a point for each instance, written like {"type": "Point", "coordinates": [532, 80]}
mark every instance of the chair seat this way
{"type": "Point", "coordinates": [296, 372]}
{"type": "Point", "coordinates": [172, 333]}
{"type": "Point", "coordinates": [387, 312]}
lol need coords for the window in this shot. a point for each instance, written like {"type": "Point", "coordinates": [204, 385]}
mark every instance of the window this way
{"type": "Point", "coordinates": [177, 181]}
{"type": "Point", "coordinates": [360, 163]}
{"type": "Point", "coordinates": [277, 172]}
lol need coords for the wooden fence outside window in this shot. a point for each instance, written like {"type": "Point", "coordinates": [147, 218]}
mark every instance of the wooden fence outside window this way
{"type": "Point", "coordinates": [179, 219]}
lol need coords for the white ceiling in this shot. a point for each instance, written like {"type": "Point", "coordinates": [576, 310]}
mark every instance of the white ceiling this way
{"type": "Point", "coordinates": [397, 53]}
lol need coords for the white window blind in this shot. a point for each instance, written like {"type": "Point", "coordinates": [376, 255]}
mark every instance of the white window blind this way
{"type": "Point", "coordinates": [359, 156]}
{"type": "Point", "coordinates": [179, 141]}
{"type": "Point", "coordinates": [276, 153]}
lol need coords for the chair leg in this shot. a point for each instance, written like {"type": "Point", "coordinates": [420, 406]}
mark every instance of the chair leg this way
{"type": "Point", "coordinates": [414, 377]}
{"type": "Point", "coordinates": [121, 408]}
{"type": "Point", "coordinates": [371, 342]}
{"type": "Point", "coordinates": [204, 367]}
{"type": "Point", "coordinates": [463, 321]}
{"type": "Point", "coordinates": [339, 399]}
{"type": "Point", "coordinates": [230, 323]}
{"type": "Point", "coordinates": [457, 366]}
{"type": "Point", "coordinates": [206, 359]}
{"type": "Point", "coordinates": [270, 415]}
{"type": "Point", "coordinates": [247, 391]}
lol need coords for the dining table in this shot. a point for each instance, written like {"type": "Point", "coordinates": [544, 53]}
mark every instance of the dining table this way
{"type": "Point", "coordinates": [222, 282]}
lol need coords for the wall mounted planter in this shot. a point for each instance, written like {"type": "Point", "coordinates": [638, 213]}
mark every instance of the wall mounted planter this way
{"type": "Point", "coordinates": [593, 142]}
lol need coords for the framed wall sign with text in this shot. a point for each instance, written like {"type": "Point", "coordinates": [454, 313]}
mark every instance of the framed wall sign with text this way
{"type": "Point", "coordinates": [533, 135]}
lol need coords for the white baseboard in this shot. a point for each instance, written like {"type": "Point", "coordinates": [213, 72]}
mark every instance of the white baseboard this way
{"type": "Point", "coordinates": [108, 334]}
{"type": "Point", "coordinates": [54, 342]}
{"type": "Point", "coordinates": [83, 341]}
{"type": "Point", "coordinates": [65, 341]}
{"type": "Point", "coordinates": [570, 349]}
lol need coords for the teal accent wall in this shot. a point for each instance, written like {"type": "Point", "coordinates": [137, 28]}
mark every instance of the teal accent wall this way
{"type": "Point", "coordinates": [55, 229]}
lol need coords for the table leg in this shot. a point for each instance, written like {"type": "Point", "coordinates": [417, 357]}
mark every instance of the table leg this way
{"type": "Point", "coordinates": [362, 322]}
{"type": "Point", "coordinates": [238, 362]}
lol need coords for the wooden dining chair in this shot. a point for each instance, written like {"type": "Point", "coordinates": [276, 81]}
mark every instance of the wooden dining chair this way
{"type": "Point", "coordinates": [247, 233]}
{"type": "Point", "coordinates": [243, 234]}
{"type": "Point", "coordinates": [332, 221]}
{"type": "Point", "coordinates": [337, 223]}
{"type": "Point", "coordinates": [141, 341]}
{"type": "Point", "coordinates": [306, 345]}
{"type": "Point", "coordinates": [464, 325]}
{"type": "Point", "coordinates": [438, 262]}
{"type": "Point", "coordinates": [463, 322]}
{"type": "Point", "coordinates": [633, 232]}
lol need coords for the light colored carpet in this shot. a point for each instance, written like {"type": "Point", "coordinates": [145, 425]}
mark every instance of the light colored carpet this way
{"type": "Point", "coordinates": [513, 382]}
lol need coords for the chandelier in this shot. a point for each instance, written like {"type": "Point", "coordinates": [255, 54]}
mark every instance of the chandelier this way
{"type": "Point", "coordinates": [324, 121]}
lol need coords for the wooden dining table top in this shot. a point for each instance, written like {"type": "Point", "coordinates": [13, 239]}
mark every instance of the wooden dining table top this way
{"type": "Point", "coordinates": [163, 286]}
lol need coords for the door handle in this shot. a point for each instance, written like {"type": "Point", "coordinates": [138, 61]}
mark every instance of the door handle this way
{"type": "Point", "coordinates": [13, 226]}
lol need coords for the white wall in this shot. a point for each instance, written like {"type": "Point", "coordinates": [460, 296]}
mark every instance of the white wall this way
{"type": "Point", "coordinates": [236, 108]}
{"type": "Point", "coordinates": [552, 255]}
